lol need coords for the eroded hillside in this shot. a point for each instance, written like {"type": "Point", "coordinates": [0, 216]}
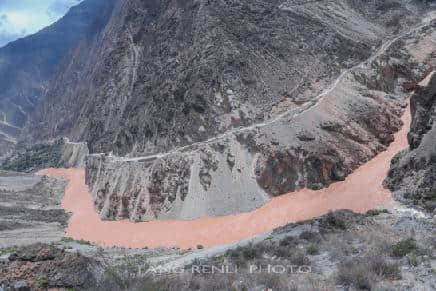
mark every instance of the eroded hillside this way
{"type": "Point", "coordinates": [167, 73]}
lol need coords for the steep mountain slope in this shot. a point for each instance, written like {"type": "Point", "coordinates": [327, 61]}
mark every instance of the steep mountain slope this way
{"type": "Point", "coordinates": [27, 64]}
{"type": "Point", "coordinates": [168, 73]}
{"type": "Point", "coordinates": [413, 171]}
{"type": "Point", "coordinates": [232, 102]}
{"type": "Point", "coordinates": [241, 170]}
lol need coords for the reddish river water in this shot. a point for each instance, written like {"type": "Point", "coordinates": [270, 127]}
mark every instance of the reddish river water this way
{"type": "Point", "coordinates": [360, 192]}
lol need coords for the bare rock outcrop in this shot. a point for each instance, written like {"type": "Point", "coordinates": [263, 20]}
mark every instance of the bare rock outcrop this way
{"type": "Point", "coordinates": [73, 155]}
{"type": "Point", "coordinates": [413, 171]}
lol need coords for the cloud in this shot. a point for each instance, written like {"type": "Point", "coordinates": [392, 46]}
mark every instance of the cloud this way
{"type": "Point", "coordinates": [23, 17]}
{"type": "Point", "coordinates": [6, 37]}
{"type": "Point", "coordinates": [60, 7]}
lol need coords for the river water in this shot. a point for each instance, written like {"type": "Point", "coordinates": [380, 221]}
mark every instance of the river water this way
{"type": "Point", "coordinates": [361, 191]}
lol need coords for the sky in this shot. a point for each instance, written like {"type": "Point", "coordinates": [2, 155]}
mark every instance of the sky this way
{"type": "Point", "coordinates": [19, 18]}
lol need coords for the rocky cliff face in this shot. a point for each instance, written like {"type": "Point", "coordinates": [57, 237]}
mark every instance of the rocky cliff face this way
{"type": "Point", "coordinates": [413, 171]}
{"type": "Point", "coordinates": [26, 65]}
{"type": "Point", "coordinates": [73, 155]}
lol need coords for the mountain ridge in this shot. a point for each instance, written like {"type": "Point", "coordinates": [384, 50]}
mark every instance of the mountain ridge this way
{"type": "Point", "coordinates": [27, 64]}
{"type": "Point", "coordinates": [173, 74]}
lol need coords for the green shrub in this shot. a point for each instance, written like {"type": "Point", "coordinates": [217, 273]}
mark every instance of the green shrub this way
{"type": "Point", "coordinates": [288, 241]}
{"type": "Point", "coordinates": [352, 274]}
{"type": "Point", "coordinates": [249, 253]}
{"type": "Point", "coordinates": [8, 250]}
{"type": "Point", "coordinates": [333, 220]}
{"type": "Point", "coordinates": [383, 268]}
{"type": "Point", "coordinates": [310, 236]}
{"type": "Point", "coordinates": [413, 259]}
{"type": "Point", "coordinates": [129, 272]}
{"type": "Point", "coordinates": [430, 196]}
{"type": "Point", "coordinates": [41, 283]}
{"type": "Point", "coordinates": [299, 259]}
{"type": "Point", "coordinates": [375, 212]}
{"type": "Point", "coordinates": [242, 255]}
{"type": "Point", "coordinates": [362, 273]}
{"type": "Point", "coordinates": [312, 249]}
{"type": "Point", "coordinates": [283, 252]}
{"type": "Point", "coordinates": [404, 247]}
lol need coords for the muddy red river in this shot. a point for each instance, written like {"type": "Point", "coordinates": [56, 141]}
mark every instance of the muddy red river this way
{"type": "Point", "coordinates": [360, 192]}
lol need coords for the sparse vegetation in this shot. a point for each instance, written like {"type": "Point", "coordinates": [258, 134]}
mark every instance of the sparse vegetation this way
{"type": "Point", "coordinates": [37, 157]}
{"type": "Point", "coordinates": [362, 273]}
{"type": "Point", "coordinates": [387, 5]}
{"type": "Point", "coordinates": [44, 215]}
{"type": "Point", "coordinates": [404, 247]}
{"type": "Point", "coordinates": [375, 212]}
{"type": "Point", "coordinates": [283, 252]}
{"type": "Point", "coordinates": [312, 249]}
{"type": "Point", "coordinates": [352, 274]}
{"type": "Point", "coordinates": [288, 241]}
{"type": "Point", "coordinates": [84, 242]}
{"type": "Point", "coordinates": [310, 236]}
{"type": "Point", "coordinates": [127, 274]}
{"type": "Point", "coordinates": [41, 283]}
{"type": "Point", "coordinates": [380, 266]}
{"type": "Point", "coordinates": [333, 221]}
{"type": "Point", "coordinates": [299, 259]}
{"type": "Point", "coordinates": [81, 241]}
{"type": "Point", "coordinates": [414, 259]}
{"type": "Point", "coordinates": [242, 255]}
{"type": "Point", "coordinates": [8, 250]}
{"type": "Point", "coordinates": [427, 200]}
{"type": "Point", "coordinates": [364, 260]}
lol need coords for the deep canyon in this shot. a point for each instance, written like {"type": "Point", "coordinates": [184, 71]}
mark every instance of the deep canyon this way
{"type": "Point", "coordinates": [163, 133]}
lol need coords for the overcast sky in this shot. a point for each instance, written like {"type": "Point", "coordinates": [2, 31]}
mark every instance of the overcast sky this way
{"type": "Point", "coordinates": [19, 18]}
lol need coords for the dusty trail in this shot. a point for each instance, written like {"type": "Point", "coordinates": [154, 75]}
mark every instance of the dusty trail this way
{"type": "Point", "coordinates": [360, 192]}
